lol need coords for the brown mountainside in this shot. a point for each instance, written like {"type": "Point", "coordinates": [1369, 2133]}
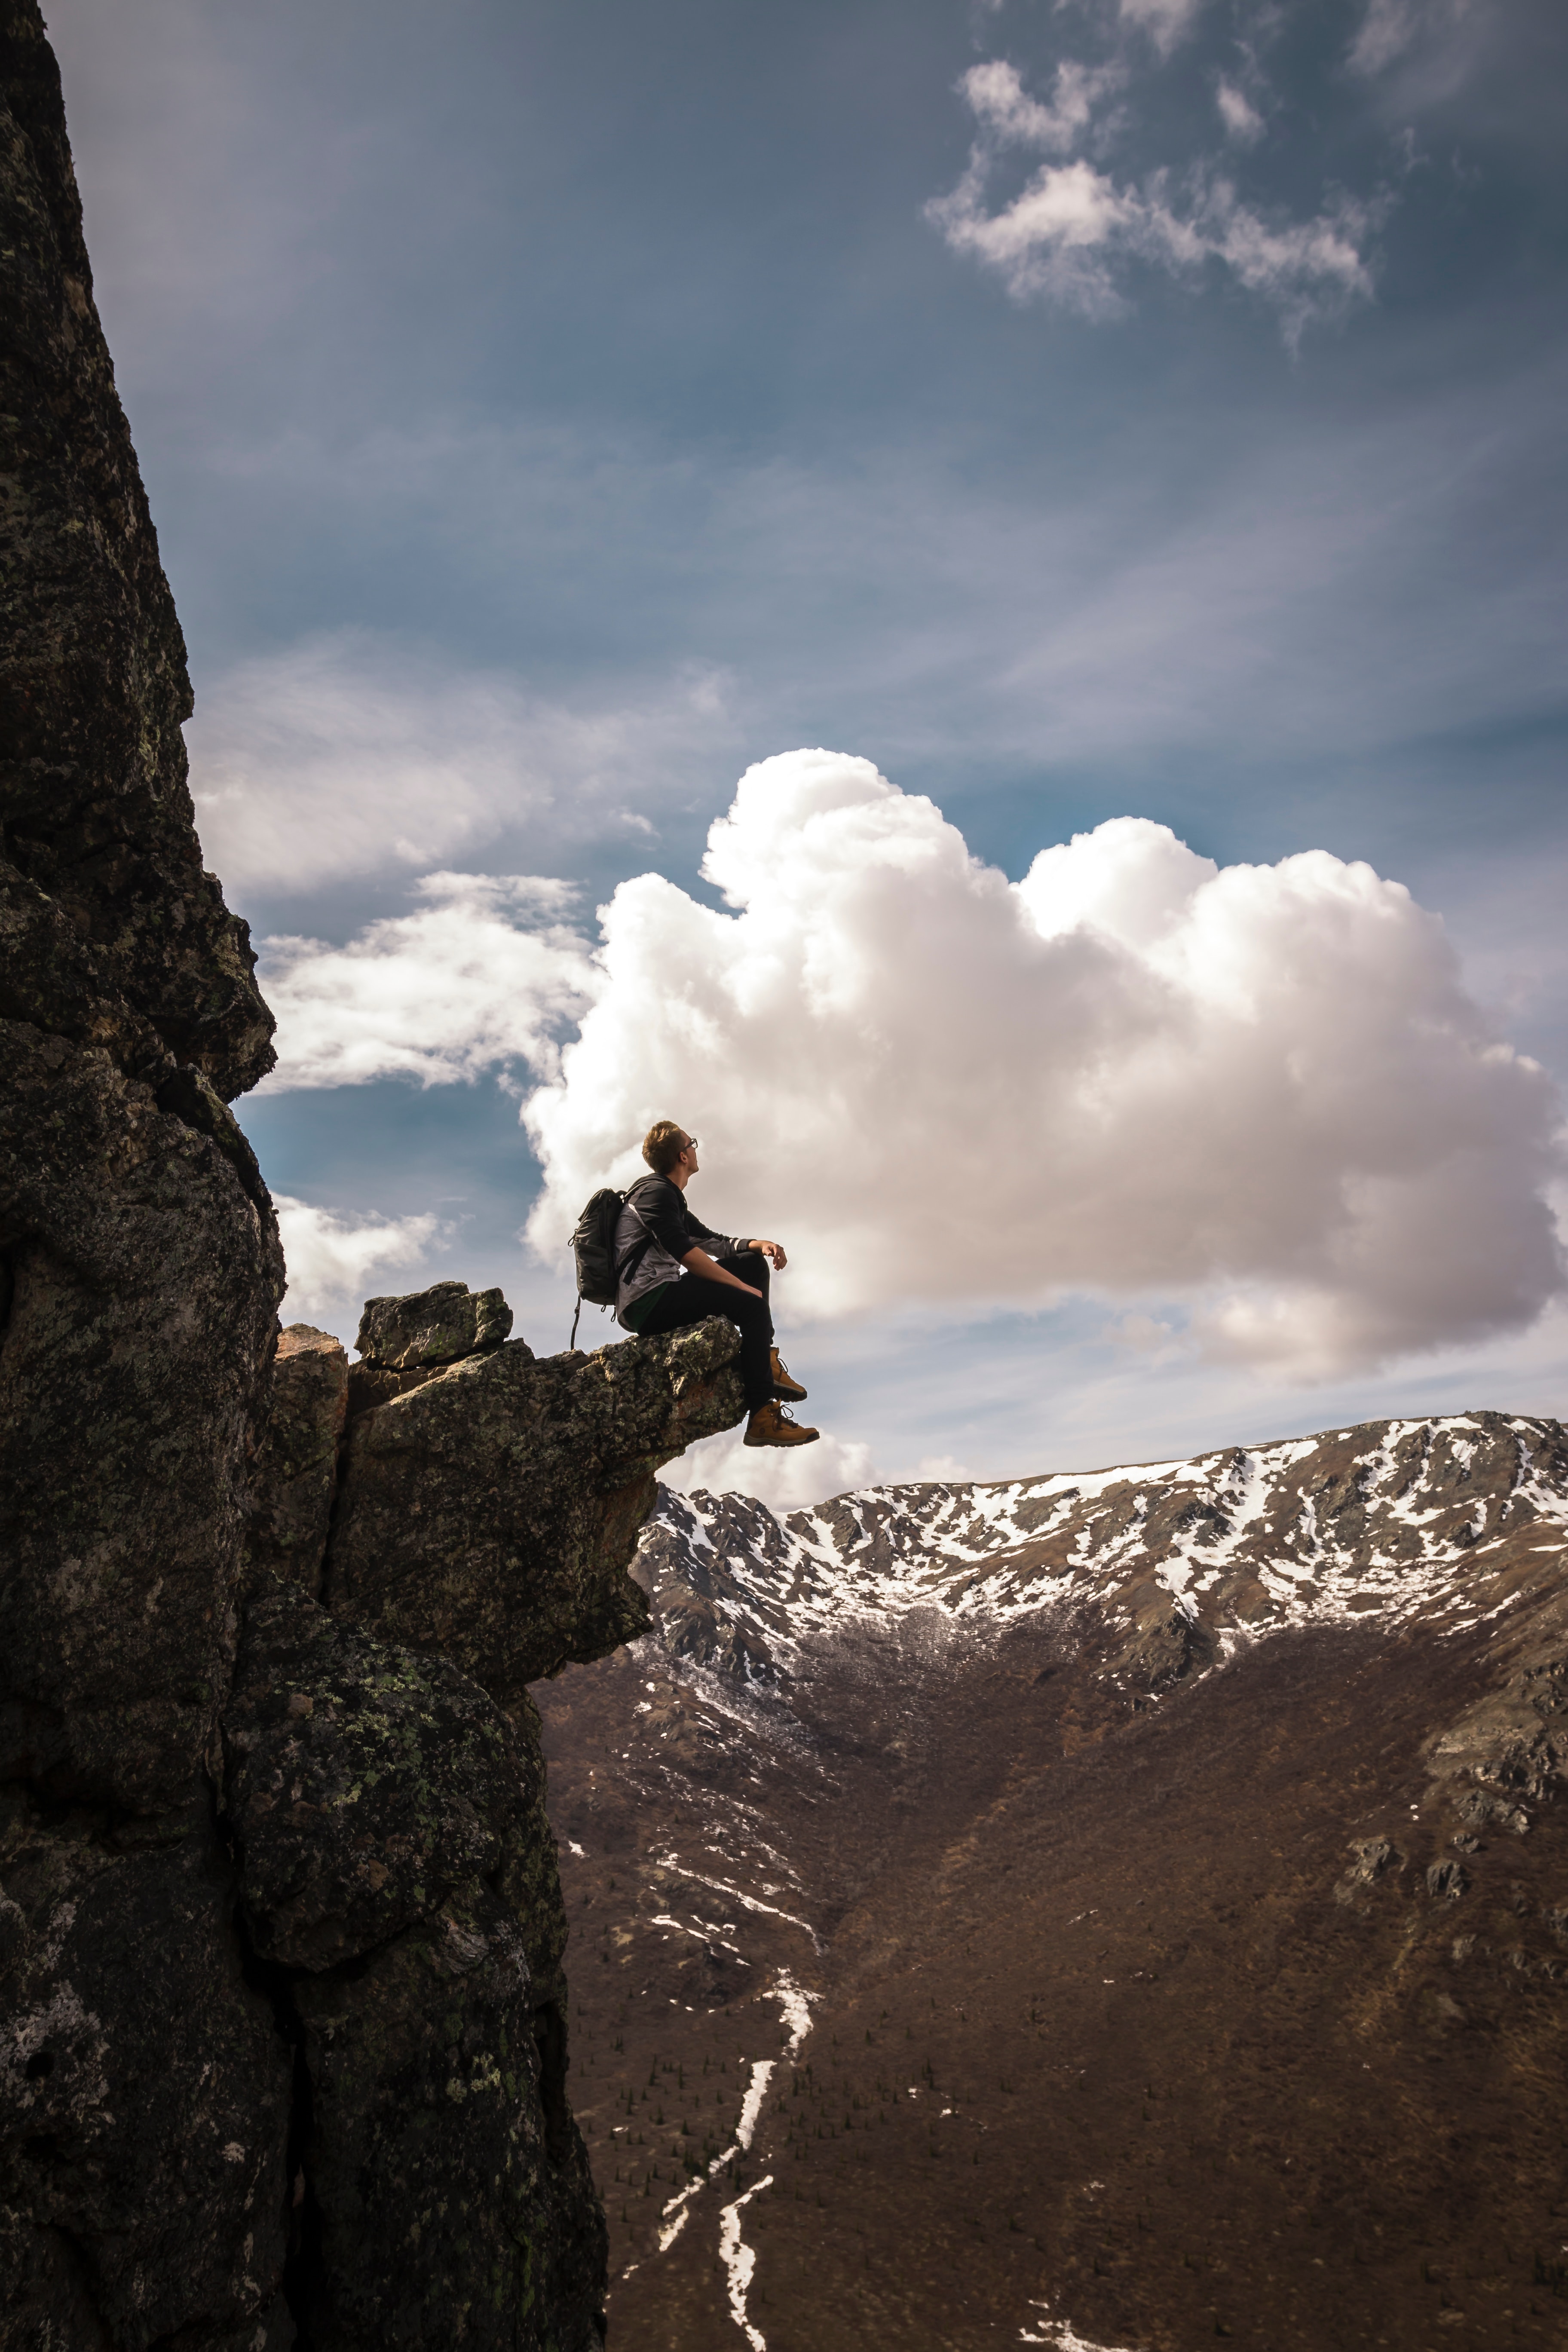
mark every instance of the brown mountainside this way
{"type": "Point", "coordinates": [1120, 1911]}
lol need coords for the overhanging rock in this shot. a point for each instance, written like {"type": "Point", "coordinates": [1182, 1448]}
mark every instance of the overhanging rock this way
{"type": "Point", "coordinates": [492, 1513]}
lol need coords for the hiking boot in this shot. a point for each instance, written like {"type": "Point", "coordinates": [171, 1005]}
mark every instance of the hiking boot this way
{"type": "Point", "coordinates": [770, 1425]}
{"type": "Point", "coordinates": [784, 1386]}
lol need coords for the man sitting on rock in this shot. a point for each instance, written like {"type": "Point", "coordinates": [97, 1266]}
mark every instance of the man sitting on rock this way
{"type": "Point", "coordinates": [665, 1279]}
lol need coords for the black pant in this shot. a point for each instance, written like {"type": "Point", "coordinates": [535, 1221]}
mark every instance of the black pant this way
{"type": "Point", "coordinates": [693, 1298]}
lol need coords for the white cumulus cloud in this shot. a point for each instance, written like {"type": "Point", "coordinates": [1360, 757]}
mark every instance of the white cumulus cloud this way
{"type": "Point", "coordinates": [482, 975]}
{"type": "Point", "coordinates": [329, 1257]}
{"type": "Point", "coordinates": [1260, 1091]}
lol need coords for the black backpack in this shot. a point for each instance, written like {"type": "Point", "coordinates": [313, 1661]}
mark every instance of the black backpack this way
{"type": "Point", "coordinates": [593, 1248]}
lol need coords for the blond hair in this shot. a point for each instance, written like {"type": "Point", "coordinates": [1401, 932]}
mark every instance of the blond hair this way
{"type": "Point", "coordinates": [663, 1145]}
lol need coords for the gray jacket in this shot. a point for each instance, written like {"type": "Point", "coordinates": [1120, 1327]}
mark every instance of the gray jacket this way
{"type": "Point", "coordinates": [656, 1211]}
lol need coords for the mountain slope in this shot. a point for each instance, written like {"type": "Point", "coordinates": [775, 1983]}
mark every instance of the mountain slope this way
{"type": "Point", "coordinates": [1146, 1893]}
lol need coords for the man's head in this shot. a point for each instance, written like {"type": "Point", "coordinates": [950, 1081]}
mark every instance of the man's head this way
{"type": "Point", "coordinates": [666, 1145]}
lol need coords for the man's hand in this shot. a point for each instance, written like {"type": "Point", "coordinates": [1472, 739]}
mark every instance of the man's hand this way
{"type": "Point", "coordinates": [773, 1251]}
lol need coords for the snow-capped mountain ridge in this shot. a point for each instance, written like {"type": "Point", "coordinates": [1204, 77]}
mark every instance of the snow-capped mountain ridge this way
{"type": "Point", "coordinates": [1440, 1518]}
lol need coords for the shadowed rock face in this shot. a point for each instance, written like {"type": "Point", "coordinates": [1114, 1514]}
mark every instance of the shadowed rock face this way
{"type": "Point", "coordinates": [397, 1877]}
{"type": "Point", "coordinates": [114, 924]}
{"type": "Point", "coordinates": [294, 1474]}
{"type": "Point", "coordinates": [145, 2089]}
{"type": "Point", "coordinates": [364, 1784]}
{"type": "Point", "coordinates": [283, 2044]}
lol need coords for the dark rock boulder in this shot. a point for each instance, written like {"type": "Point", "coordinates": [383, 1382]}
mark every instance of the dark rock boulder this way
{"type": "Point", "coordinates": [1376, 1859]}
{"type": "Point", "coordinates": [1447, 1880]}
{"type": "Point", "coordinates": [436, 1326]}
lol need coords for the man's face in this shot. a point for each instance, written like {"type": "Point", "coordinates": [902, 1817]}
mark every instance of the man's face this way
{"type": "Point", "coordinates": [689, 1155]}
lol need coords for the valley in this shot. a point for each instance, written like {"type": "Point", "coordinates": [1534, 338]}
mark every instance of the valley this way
{"type": "Point", "coordinates": [1120, 1910]}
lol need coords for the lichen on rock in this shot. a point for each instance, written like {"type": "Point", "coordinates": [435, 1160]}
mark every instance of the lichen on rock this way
{"type": "Point", "coordinates": [361, 1783]}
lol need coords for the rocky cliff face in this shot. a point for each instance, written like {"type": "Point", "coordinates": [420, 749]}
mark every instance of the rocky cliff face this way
{"type": "Point", "coordinates": [1117, 1910]}
{"type": "Point", "coordinates": [282, 2021]}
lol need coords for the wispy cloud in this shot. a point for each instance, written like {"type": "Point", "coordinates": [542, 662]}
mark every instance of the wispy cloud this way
{"type": "Point", "coordinates": [1241, 119]}
{"type": "Point", "coordinates": [1074, 233]}
{"type": "Point", "coordinates": [343, 755]}
{"type": "Point", "coordinates": [1164, 21]}
{"type": "Point", "coordinates": [1391, 28]}
{"type": "Point", "coordinates": [1071, 233]}
{"type": "Point", "coordinates": [1010, 117]}
{"type": "Point", "coordinates": [329, 1256]}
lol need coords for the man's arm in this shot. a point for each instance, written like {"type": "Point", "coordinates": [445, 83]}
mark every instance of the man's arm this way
{"type": "Point", "coordinates": [697, 1261]}
{"type": "Point", "coordinates": [772, 1249]}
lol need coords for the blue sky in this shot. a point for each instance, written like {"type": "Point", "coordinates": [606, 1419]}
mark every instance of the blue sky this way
{"type": "Point", "coordinates": [547, 412]}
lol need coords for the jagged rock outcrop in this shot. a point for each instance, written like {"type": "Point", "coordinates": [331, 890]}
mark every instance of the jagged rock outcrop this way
{"type": "Point", "coordinates": [492, 1513]}
{"type": "Point", "coordinates": [113, 926]}
{"type": "Point", "coordinates": [404, 1342]}
{"type": "Point", "coordinates": [283, 2019]}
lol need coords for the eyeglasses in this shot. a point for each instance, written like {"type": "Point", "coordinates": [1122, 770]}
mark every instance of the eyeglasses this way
{"type": "Point", "coordinates": [689, 1144]}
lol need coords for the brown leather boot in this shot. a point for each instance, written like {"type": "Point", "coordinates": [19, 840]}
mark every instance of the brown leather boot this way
{"type": "Point", "coordinates": [784, 1386]}
{"type": "Point", "coordinates": [770, 1425]}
